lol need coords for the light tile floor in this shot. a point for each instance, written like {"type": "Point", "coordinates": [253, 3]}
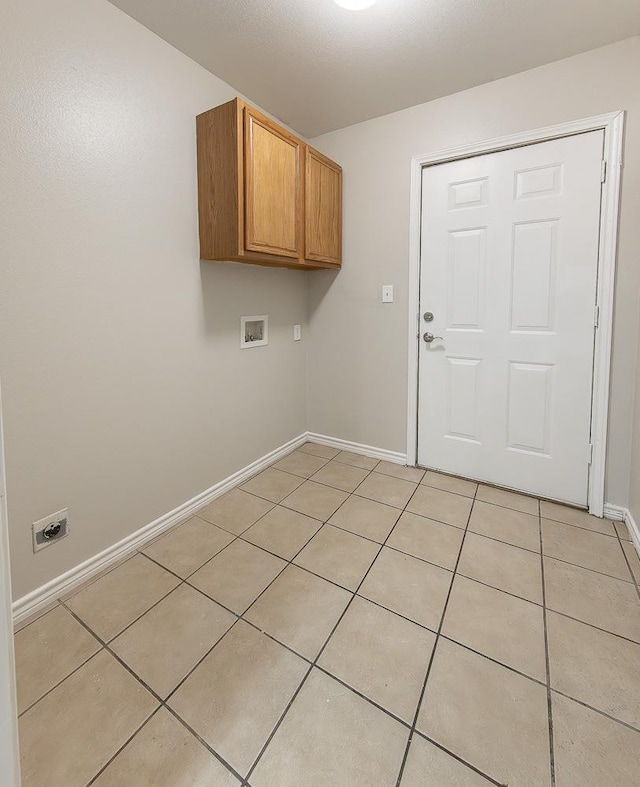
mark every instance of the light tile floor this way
{"type": "Point", "coordinates": [343, 622]}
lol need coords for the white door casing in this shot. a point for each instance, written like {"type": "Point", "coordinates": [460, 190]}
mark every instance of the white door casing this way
{"type": "Point", "coordinates": [509, 256]}
{"type": "Point", "coordinates": [612, 124]}
{"type": "Point", "coordinates": [9, 751]}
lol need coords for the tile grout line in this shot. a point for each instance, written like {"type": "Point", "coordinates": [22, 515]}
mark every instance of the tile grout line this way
{"type": "Point", "coordinates": [362, 696]}
{"type": "Point", "coordinates": [580, 527]}
{"type": "Point", "coordinates": [351, 464]}
{"type": "Point", "coordinates": [508, 543]}
{"type": "Point", "coordinates": [155, 695]}
{"type": "Point", "coordinates": [155, 603]}
{"type": "Point", "coordinates": [457, 757]}
{"type": "Point", "coordinates": [487, 585]}
{"type": "Point", "coordinates": [404, 509]}
{"type": "Point", "coordinates": [422, 626]}
{"type": "Point", "coordinates": [316, 481]}
{"type": "Point", "coordinates": [586, 568]}
{"type": "Point", "coordinates": [344, 529]}
{"type": "Point", "coordinates": [241, 616]}
{"type": "Point", "coordinates": [60, 682]}
{"type": "Point", "coordinates": [454, 641]}
{"type": "Point", "coordinates": [626, 560]}
{"type": "Point", "coordinates": [184, 580]}
{"type": "Point", "coordinates": [202, 741]}
{"type": "Point", "coordinates": [237, 536]}
{"type": "Point", "coordinates": [321, 651]}
{"type": "Point", "coordinates": [410, 620]}
{"type": "Point", "coordinates": [593, 626]}
{"type": "Point", "coordinates": [263, 748]}
{"type": "Point", "coordinates": [254, 626]}
{"type": "Point", "coordinates": [537, 551]}
{"type": "Point", "coordinates": [105, 644]}
{"type": "Point", "coordinates": [313, 663]}
{"type": "Point", "coordinates": [63, 602]}
{"type": "Point", "coordinates": [370, 601]}
{"type": "Point", "coordinates": [295, 565]}
{"type": "Point", "coordinates": [548, 518]}
{"type": "Point", "coordinates": [228, 609]}
{"type": "Point", "coordinates": [164, 702]}
{"type": "Point", "coordinates": [422, 482]}
{"type": "Point", "coordinates": [289, 562]}
{"type": "Point", "coordinates": [522, 598]}
{"type": "Point", "coordinates": [92, 580]}
{"type": "Point", "coordinates": [552, 764]}
{"type": "Point", "coordinates": [35, 617]}
{"type": "Point", "coordinates": [310, 662]}
{"type": "Point", "coordinates": [300, 448]}
{"type": "Point", "coordinates": [597, 710]}
{"type": "Point", "coordinates": [368, 538]}
{"type": "Point", "coordinates": [281, 503]}
{"type": "Point", "coordinates": [326, 461]}
{"type": "Point", "coordinates": [433, 652]}
{"type": "Point", "coordinates": [124, 746]}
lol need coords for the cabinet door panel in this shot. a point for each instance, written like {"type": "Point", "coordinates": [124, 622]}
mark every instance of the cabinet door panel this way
{"type": "Point", "coordinates": [323, 209]}
{"type": "Point", "coordinates": [273, 189]}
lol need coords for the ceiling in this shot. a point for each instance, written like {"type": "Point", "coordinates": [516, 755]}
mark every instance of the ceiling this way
{"type": "Point", "coordinates": [319, 67]}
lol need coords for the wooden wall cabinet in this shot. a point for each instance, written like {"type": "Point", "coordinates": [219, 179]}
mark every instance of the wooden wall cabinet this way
{"type": "Point", "coordinates": [264, 195]}
{"type": "Point", "coordinates": [323, 209]}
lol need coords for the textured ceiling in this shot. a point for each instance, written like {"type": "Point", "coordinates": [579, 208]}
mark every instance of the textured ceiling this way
{"type": "Point", "coordinates": [319, 67]}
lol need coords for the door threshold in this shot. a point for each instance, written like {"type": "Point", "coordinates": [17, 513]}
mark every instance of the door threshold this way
{"type": "Point", "coordinates": [505, 488]}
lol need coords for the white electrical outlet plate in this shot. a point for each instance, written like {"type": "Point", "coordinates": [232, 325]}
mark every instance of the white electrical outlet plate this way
{"type": "Point", "coordinates": [50, 529]}
{"type": "Point", "coordinates": [296, 333]}
{"type": "Point", "coordinates": [387, 293]}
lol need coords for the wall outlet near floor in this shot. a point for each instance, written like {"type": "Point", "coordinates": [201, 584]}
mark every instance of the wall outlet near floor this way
{"type": "Point", "coordinates": [296, 333]}
{"type": "Point", "coordinates": [50, 529]}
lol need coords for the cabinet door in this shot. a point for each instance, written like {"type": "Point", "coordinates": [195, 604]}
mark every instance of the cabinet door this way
{"type": "Point", "coordinates": [273, 196]}
{"type": "Point", "coordinates": [323, 209]}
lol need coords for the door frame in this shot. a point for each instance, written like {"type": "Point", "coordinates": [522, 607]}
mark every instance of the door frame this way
{"type": "Point", "coordinates": [613, 126]}
{"type": "Point", "coordinates": [9, 746]}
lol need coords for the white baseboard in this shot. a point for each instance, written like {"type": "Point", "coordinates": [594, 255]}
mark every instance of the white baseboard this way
{"type": "Point", "coordinates": [44, 595]}
{"type": "Point", "coordinates": [358, 448]}
{"type": "Point", "coordinates": [65, 583]}
{"type": "Point", "coordinates": [615, 513]}
{"type": "Point", "coordinates": [634, 530]}
{"type": "Point", "coordinates": [31, 603]}
{"type": "Point", "coordinates": [621, 514]}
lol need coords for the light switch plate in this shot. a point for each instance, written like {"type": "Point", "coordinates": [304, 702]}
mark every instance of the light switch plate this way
{"type": "Point", "coordinates": [387, 293]}
{"type": "Point", "coordinates": [296, 333]}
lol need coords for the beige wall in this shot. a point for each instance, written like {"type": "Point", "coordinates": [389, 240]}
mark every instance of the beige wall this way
{"type": "Point", "coordinates": [125, 391]}
{"type": "Point", "coordinates": [358, 353]}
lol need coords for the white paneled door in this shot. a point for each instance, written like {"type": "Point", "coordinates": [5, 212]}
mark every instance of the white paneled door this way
{"type": "Point", "coordinates": [509, 252]}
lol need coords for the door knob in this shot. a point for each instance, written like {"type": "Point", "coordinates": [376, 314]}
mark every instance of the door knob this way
{"type": "Point", "coordinates": [429, 337]}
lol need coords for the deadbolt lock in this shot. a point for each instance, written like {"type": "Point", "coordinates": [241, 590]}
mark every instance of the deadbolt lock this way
{"type": "Point", "coordinates": [428, 316]}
